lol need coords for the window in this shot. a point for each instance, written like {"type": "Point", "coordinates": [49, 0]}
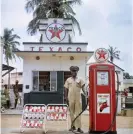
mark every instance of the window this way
{"type": "Point", "coordinates": [44, 81]}
{"type": "Point", "coordinates": [20, 74]}
{"type": "Point", "coordinates": [102, 78]}
{"type": "Point", "coordinates": [118, 72]}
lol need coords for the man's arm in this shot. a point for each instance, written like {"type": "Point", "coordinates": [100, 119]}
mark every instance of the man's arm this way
{"type": "Point", "coordinates": [66, 91]}
{"type": "Point", "coordinates": [66, 94]}
{"type": "Point", "coordinates": [83, 87]}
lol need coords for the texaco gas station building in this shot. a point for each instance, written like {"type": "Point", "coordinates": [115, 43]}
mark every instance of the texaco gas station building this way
{"type": "Point", "coordinates": [46, 64]}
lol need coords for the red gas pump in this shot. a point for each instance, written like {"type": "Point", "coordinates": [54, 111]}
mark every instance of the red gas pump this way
{"type": "Point", "coordinates": [102, 99]}
{"type": "Point", "coordinates": [102, 95]}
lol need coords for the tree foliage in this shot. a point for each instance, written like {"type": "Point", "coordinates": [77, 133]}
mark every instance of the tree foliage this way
{"type": "Point", "coordinates": [10, 44]}
{"type": "Point", "coordinates": [114, 53]}
{"type": "Point", "coordinates": [43, 9]}
{"type": "Point", "coordinates": [127, 76]}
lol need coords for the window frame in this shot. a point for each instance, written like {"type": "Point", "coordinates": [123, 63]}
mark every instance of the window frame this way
{"type": "Point", "coordinates": [50, 81]}
{"type": "Point", "coordinates": [39, 82]}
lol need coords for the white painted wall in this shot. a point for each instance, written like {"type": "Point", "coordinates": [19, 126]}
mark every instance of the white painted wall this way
{"type": "Point", "coordinates": [13, 79]}
{"type": "Point", "coordinates": [127, 83]}
{"type": "Point", "coordinates": [50, 64]}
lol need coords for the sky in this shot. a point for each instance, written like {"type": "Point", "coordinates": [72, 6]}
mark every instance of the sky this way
{"type": "Point", "coordinates": [103, 23]}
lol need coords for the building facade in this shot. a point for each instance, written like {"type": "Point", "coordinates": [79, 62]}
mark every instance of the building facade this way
{"type": "Point", "coordinates": [46, 64]}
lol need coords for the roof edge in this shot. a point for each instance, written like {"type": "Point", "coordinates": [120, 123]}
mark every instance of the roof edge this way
{"type": "Point", "coordinates": [54, 51]}
{"type": "Point", "coordinates": [52, 43]}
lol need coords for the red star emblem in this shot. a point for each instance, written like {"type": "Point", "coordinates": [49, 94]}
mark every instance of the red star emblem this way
{"type": "Point", "coordinates": [101, 54]}
{"type": "Point", "coordinates": [56, 32]}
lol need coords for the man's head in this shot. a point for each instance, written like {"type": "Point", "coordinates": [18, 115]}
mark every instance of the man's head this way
{"type": "Point", "coordinates": [16, 82]}
{"type": "Point", "coordinates": [74, 70]}
{"type": "Point", "coordinates": [5, 86]}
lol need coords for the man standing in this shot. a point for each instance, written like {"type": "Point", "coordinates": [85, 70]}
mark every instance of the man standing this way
{"type": "Point", "coordinates": [73, 86]}
{"type": "Point", "coordinates": [16, 93]}
{"type": "Point", "coordinates": [6, 92]}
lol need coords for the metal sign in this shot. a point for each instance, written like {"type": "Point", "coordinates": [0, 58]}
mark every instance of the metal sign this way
{"type": "Point", "coordinates": [33, 116]}
{"type": "Point", "coordinates": [37, 115]}
{"type": "Point", "coordinates": [57, 112]}
{"type": "Point", "coordinates": [55, 32]}
{"type": "Point", "coordinates": [103, 103]}
{"type": "Point", "coordinates": [101, 55]}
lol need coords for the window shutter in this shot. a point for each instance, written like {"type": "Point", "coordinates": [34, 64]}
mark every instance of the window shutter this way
{"type": "Point", "coordinates": [60, 81]}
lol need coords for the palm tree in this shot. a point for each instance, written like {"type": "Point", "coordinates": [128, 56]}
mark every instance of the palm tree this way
{"type": "Point", "coordinates": [9, 45]}
{"type": "Point", "coordinates": [43, 9]}
{"type": "Point", "coordinates": [127, 76]}
{"type": "Point", "coordinates": [114, 53]}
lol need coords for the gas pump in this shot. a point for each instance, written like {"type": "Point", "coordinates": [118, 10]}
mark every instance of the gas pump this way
{"type": "Point", "coordinates": [102, 95]}
{"type": "Point", "coordinates": [102, 98]}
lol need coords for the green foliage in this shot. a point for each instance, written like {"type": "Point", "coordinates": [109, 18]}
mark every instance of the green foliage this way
{"type": "Point", "coordinates": [43, 9]}
{"type": "Point", "coordinates": [127, 76]}
{"type": "Point", "coordinates": [10, 43]}
{"type": "Point", "coordinates": [114, 53]}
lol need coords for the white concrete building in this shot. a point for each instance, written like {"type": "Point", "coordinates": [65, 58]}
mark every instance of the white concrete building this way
{"type": "Point", "coordinates": [46, 64]}
{"type": "Point", "coordinates": [127, 83]}
{"type": "Point", "coordinates": [13, 77]}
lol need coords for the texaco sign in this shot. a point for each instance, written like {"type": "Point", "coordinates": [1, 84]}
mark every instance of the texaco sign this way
{"type": "Point", "coordinates": [101, 55]}
{"type": "Point", "coordinates": [55, 32]}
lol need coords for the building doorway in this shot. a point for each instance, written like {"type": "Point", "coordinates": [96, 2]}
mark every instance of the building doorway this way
{"type": "Point", "coordinates": [67, 74]}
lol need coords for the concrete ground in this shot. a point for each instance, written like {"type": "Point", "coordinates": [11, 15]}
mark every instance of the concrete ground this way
{"type": "Point", "coordinates": [10, 124]}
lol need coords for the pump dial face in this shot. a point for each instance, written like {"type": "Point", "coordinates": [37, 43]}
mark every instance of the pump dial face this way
{"type": "Point", "coordinates": [102, 78]}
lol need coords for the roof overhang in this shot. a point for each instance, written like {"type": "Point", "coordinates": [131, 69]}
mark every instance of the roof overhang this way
{"type": "Point", "coordinates": [25, 54]}
{"type": "Point", "coordinates": [6, 68]}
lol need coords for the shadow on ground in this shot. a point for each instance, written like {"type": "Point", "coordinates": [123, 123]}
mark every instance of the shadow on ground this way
{"type": "Point", "coordinates": [40, 132]}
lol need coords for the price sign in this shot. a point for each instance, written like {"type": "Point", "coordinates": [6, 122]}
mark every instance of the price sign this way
{"type": "Point", "coordinates": [33, 116]}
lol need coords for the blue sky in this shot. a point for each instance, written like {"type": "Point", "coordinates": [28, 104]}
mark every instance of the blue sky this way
{"type": "Point", "coordinates": [103, 23]}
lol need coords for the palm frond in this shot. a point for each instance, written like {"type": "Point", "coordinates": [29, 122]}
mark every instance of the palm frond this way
{"type": "Point", "coordinates": [72, 2]}
{"type": "Point", "coordinates": [66, 8]}
{"type": "Point", "coordinates": [40, 11]}
{"type": "Point", "coordinates": [31, 4]}
{"type": "Point", "coordinates": [114, 53]}
{"type": "Point", "coordinates": [75, 22]}
{"type": "Point", "coordinates": [10, 43]}
{"type": "Point", "coordinates": [15, 42]}
{"type": "Point", "coordinates": [33, 26]}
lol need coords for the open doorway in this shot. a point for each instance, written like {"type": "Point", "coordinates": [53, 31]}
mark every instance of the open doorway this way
{"type": "Point", "coordinates": [67, 74]}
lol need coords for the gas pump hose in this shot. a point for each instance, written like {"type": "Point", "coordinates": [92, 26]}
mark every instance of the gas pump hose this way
{"type": "Point", "coordinates": [114, 117]}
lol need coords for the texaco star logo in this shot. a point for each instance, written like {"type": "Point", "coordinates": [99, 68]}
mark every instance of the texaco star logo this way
{"type": "Point", "coordinates": [55, 32]}
{"type": "Point", "coordinates": [101, 55]}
